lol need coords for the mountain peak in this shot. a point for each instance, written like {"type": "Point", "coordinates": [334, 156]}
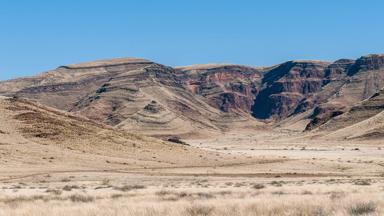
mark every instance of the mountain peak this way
{"type": "Point", "coordinates": [106, 63]}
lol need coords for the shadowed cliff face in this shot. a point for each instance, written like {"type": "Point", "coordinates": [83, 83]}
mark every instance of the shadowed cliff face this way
{"type": "Point", "coordinates": [286, 85]}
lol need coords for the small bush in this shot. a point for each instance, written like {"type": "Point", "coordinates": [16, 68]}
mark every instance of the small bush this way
{"type": "Point", "coordinates": [362, 208]}
{"type": "Point", "coordinates": [319, 211]}
{"type": "Point", "coordinates": [65, 180]}
{"type": "Point", "coordinates": [105, 182]}
{"type": "Point", "coordinates": [277, 183]}
{"type": "Point", "coordinates": [335, 195]}
{"type": "Point", "coordinates": [101, 90]}
{"type": "Point", "coordinates": [258, 186]}
{"type": "Point", "coordinates": [362, 182]}
{"type": "Point", "coordinates": [54, 191]}
{"type": "Point", "coordinates": [199, 210]}
{"type": "Point", "coordinates": [81, 198]}
{"type": "Point", "coordinates": [129, 187]}
{"type": "Point", "coordinates": [116, 196]}
{"type": "Point", "coordinates": [307, 192]}
{"type": "Point", "coordinates": [70, 187]}
{"type": "Point", "coordinates": [20, 199]}
{"type": "Point", "coordinates": [163, 193]}
{"type": "Point", "coordinates": [202, 195]}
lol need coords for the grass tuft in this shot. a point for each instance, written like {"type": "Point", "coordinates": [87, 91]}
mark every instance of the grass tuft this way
{"type": "Point", "coordinates": [362, 208]}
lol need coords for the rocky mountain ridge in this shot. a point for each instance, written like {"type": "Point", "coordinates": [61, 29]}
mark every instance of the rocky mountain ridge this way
{"type": "Point", "coordinates": [147, 97]}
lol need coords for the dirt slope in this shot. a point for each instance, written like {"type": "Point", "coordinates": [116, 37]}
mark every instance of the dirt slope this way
{"type": "Point", "coordinates": [35, 138]}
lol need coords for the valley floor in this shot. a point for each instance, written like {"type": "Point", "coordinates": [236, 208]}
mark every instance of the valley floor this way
{"type": "Point", "coordinates": [278, 174]}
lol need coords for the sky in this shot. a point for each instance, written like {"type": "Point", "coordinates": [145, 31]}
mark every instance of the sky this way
{"type": "Point", "coordinates": [39, 35]}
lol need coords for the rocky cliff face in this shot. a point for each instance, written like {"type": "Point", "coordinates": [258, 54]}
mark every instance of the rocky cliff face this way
{"type": "Point", "coordinates": [132, 94]}
{"type": "Point", "coordinates": [367, 63]}
{"type": "Point", "coordinates": [63, 87]}
{"type": "Point", "coordinates": [286, 85]}
{"type": "Point", "coordinates": [229, 88]}
{"type": "Point", "coordinates": [150, 99]}
{"type": "Point", "coordinates": [351, 83]}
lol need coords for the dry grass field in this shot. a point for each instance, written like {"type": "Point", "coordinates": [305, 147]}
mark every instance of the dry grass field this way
{"type": "Point", "coordinates": [195, 195]}
{"type": "Point", "coordinates": [300, 177]}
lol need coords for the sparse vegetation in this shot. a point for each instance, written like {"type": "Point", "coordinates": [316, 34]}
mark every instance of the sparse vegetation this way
{"type": "Point", "coordinates": [129, 187]}
{"type": "Point", "coordinates": [106, 182]}
{"type": "Point", "coordinates": [116, 196]}
{"type": "Point", "coordinates": [81, 198]}
{"type": "Point", "coordinates": [258, 186]}
{"type": "Point", "coordinates": [199, 210]}
{"type": "Point", "coordinates": [65, 180]}
{"type": "Point", "coordinates": [362, 208]}
{"type": "Point", "coordinates": [70, 187]}
{"type": "Point", "coordinates": [362, 182]}
{"type": "Point", "coordinates": [102, 89]}
{"type": "Point", "coordinates": [54, 191]}
{"type": "Point", "coordinates": [192, 202]}
{"type": "Point", "coordinates": [277, 183]}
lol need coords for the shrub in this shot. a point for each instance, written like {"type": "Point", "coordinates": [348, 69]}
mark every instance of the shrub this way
{"type": "Point", "coordinates": [319, 211]}
{"type": "Point", "coordinates": [199, 210]}
{"type": "Point", "coordinates": [70, 187]}
{"type": "Point", "coordinates": [277, 183]}
{"type": "Point", "coordinates": [362, 182]}
{"type": "Point", "coordinates": [116, 196]}
{"type": "Point", "coordinates": [101, 90]}
{"type": "Point", "coordinates": [105, 182]}
{"type": "Point", "coordinates": [202, 195]}
{"type": "Point", "coordinates": [81, 198]}
{"type": "Point", "coordinates": [163, 193]}
{"type": "Point", "coordinates": [20, 199]}
{"type": "Point", "coordinates": [65, 180]}
{"type": "Point", "coordinates": [362, 208]}
{"type": "Point", "coordinates": [258, 186]}
{"type": "Point", "coordinates": [129, 187]}
{"type": "Point", "coordinates": [335, 195]}
{"type": "Point", "coordinates": [54, 191]}
{"type": "Point", "coordinates": [307, 192]}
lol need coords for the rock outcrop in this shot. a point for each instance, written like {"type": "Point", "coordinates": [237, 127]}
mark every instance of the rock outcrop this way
{"type": "Point", "coordinates": [286, 85]}
{"type": "Point", "coordinates": [229, 88]}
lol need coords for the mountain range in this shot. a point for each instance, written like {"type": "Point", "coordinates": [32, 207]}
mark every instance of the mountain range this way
{"type": "Point", "coordinates": [316, 98]}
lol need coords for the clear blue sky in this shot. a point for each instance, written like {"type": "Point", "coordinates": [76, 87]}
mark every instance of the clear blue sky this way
{"type": "Point", "coordinates": [39, 35]}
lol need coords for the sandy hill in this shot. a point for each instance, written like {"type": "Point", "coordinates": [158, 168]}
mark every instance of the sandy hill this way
{"type": "Point", "coordinates": [51, 140]}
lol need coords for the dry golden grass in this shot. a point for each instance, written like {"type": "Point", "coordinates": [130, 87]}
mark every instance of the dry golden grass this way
{"type": "Point", "coordinates": [360, 204]}
{"type": "Point", "coordinates": [188, 196]}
